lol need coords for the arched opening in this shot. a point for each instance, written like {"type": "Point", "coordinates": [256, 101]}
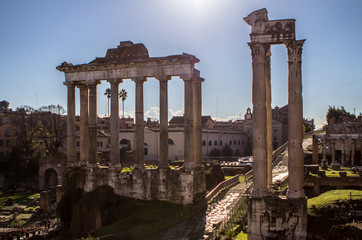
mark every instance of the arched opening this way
{"type": "Point", "coordinates": [171, 142]}
{"type": "Point", "coordinates": [51, 179]}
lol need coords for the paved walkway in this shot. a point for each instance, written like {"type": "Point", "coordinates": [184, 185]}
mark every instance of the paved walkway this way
{"type": "Point", "coordinates": [197, 226]}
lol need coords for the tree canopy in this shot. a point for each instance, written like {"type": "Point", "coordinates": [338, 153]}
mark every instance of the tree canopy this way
{"type": "Point", "coordinates": [339, 114]}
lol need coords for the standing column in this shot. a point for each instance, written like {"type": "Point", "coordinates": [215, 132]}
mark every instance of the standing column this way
{"type": "Point", "coordinates": [295, 120]}
{"type": "Point", "coordinates": [333, 152]}
{"type": "Point", "coordinates": [315, 150]}
{"type": "Point", "coordinates": [84, 136]}
{"type": "Point", "coordinates": [269, 120]}
{"type": "Point", "coordinates": [353, 157]}
{"type": "Point", "coordinates": [140, 124]}
{"type": "Point", "coordinates": [114, 122]}
{"type": "Point", "coordinates": [343, 153]}
{"type": "Point", "coordinates": [188, 125]}
{"type": "Point", "coordinates": [260, 168]}
{"type": "Point", "coordinates": [324, 150]}
{"type": "Point", "coordinates": [163, 122]}
{"type": "Point", "coordinates": [71, 157]}
{"type": "Point", "coordinates": [92, 123]}
{"type": "Point", "coordinates": [197, 122]}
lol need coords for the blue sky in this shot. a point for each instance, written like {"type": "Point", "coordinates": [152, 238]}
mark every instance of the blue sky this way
{"type": "Point", "coordinates": [36, 36]}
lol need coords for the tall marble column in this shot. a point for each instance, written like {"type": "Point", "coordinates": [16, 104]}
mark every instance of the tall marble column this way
{"type": "Point", "coordinates": [197, 121]}
{"type": "Point", "coordinates": [269, 133]}
{"type": "Point", "coordinates": [84, 136]}
{"type": "Point", "coordinates": [164, 121]}
{"type": "Point", "coordinates": [324, 150]}
{"type": "Point", "coordinates": [71, 157]}
{"type": "Point", "coordinates": [343, 153]}
{"type": "Point", "coordinates": [114, 123]}
{"type": "Point", "coordinates": [188, 125]}
{"type": "Point", "coordinates": [334, 162]}
{"type": "Point", "coordinates": [295, 120]}
{"type": "Point", "coordinates": [260, 169]}
{"type": "Point", "coordinates": [140, 124]}
{"type": "Point", "coordinates": [92, 123]}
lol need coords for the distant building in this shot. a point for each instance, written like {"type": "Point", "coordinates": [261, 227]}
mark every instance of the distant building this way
{"type": "Point", "coordinates": [7, 135]}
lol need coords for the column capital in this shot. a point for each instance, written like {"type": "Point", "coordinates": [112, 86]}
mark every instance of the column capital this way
{"type": "Point", "coordinates": [260, 52]}
{"type": "Point", "coordinates": [70, 83]}
{"type": "Point", "coordinates": [139, 79]}
{"type": "Point", "coordinates": [93, 82]}
{"type": "Point", "coordinates": [115, 80]}
{"type": "Point", "coordinates": [164, 78]}
{"type": "Point", "coordinates": [295, 49]}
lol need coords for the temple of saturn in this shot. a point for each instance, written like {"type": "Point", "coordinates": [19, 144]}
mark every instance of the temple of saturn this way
{"type": "Point", "coordinates": [272, 217]}
{"type": "Point", "coordinates": [131, 61]}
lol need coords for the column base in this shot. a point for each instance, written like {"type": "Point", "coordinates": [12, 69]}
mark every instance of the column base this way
{"type": "Point", "coordinates": [164, 166]}
{"type": "Point", "coordinates": [259, 193]}
{"type": "Point", "coordinates": [295, 194]}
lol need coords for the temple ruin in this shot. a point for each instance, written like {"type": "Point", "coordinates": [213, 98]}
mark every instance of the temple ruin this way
{"type": "Point", "coordinates": [272, 217]}
{"type": "Point", "coordinates": [131, 61]}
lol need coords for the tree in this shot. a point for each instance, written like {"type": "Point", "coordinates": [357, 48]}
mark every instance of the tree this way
{"type": "Point", "coordinates": [4, 106]}
{"type": "Point", "coordinates": [215, 152]}
{"type": "Point", "coordinates": [108, 94]}
{"type": "Point", "coordinates": [227, 151]}
{"type": "Point", "coordinates": [123, 96]}
{"type": "Point", "coordinates": [338, 113]}
{"type": "Point", "coordinates": [52, 128]}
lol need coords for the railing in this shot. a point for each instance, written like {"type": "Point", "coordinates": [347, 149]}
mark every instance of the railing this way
{"type": "Point", "coordinates": [221, 186]}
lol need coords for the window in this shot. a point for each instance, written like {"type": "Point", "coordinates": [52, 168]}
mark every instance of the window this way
{"type": "Point", "coordinates": [231, 142]}
{"type": "Point", "coordinates": [146, 151]}
{"type": "Point", "coordinates": [234, 142]}
{"type": "Point", "coordinates": [220, 142]}
{"type": "Point", "coordinates": [242, 142]}
{"type": "Point", "coordinates": [99, 144]}
{"type": "Point", "coordinates": [215, 143]}
{"type": "Point", "coordinates": [275, 130]}
{"type": "Point", "coordinates": [123, 141]}
{"type": "Point", "coordinates": [275, 139]}
{"type": "Point", "coordinates": [77, 144]}
{"type": "Point", "coordinates": [210, 143]}
{"type": "Point", "coordinates": [239, 142]}
{"type": "Point", "coordinates": [7, 132]}
{"type": "Point", "coordinates": [204, 143]}
{"type": "Point", "coordinates": [171, 142]}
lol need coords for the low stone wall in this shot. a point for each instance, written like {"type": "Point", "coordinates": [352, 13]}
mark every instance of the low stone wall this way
{"type": "Point", "coordinates": [332, 182]}
{"type": "Point", "coordinates": [177, 186]}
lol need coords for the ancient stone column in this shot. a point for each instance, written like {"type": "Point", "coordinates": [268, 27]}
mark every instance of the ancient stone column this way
{"type": "Point", "coordinates": [71, 157]}
{"type": "Point", "coordinates": [295, 120]}
{"type": "Point", "coordinates": [84, 136]}
{"type": "Point", "coordinates": [269, 132]}
{"type": "Point", "coordinates": [164, 122]}
{"type": "Point", "coordinates": [114, 123]}
{"type": "Point", "coordinates": [333, 152]}
{"type": "Point", "coordinates": [197, 121]}
{"type": "Point", "coordinates": [324, 150]}
{"type": "Point", "coordinates": [92, 123]}
{"type": "Point", "coordinates": [140, 124]}
{"type": "Point", "coordinates": [188, 124]}
{"type": "Point", "coordinates": [315, 150]}
{"type": "Point", "coordinates": [353, 157]}
{"type": "Point", "coordinates": [343, 153]}
{"type": "Point", "coordinates": [260, 169]}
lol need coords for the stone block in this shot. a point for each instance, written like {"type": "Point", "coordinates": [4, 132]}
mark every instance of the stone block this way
{"type": "Point", "coordinates": [336, 166]}
{"type": "Point", "coordinates": [343, 174]}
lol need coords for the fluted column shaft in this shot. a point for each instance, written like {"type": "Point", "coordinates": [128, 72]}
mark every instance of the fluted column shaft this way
{"type": "Point", "coordinates": [197, 108]}
{"type": "Point", "coordinates": [84, 136]}
{"type": "Point", "coordinates": [92, 122]}
{"type": "Point", "coordinates": [71, 157]}
{"type": "Point", "coordinates": [259, 97]}
{"type": "Point", "coordinates": [140, 124]}
{"type": "Point", "coordinates": [295, 120]}
{"type": "Point", "coordinates": [188, 125]}
{"type": "Point", "coordinates": [163, 122]}
{"type": "Point", "coordinates": [114, 123]}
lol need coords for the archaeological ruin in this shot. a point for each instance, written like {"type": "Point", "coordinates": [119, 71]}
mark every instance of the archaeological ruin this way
{"type": "Point", "coordinates": [131, 61]}
{"type": "Point", "coordinates": [272, 217]}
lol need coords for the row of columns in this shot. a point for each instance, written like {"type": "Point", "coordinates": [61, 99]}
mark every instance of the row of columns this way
{"type": "Point", "coordinates": [262, 120]}
{"type": "Point", "coordinates": [348, 156]}
{"type": "Point", "coordinates": [88, 123]}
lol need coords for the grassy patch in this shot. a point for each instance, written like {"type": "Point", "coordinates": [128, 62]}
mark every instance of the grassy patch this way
{"type": "Point", "coordinates": [241, 178]}
{"type": "Point", "coordinates": [331, 197]}
{"type": "Point", "coordinates": [241, 236]}
{"type": "Point", "coordinates": [19, 198]}
{"type": "Point", "coordinates": [335, 173]}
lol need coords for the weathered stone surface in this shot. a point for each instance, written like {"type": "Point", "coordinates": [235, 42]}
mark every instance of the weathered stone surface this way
{"type": "Point", "coordinates": [287, 218]}
{"type": "Point", "coordinates": [44, 200]}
